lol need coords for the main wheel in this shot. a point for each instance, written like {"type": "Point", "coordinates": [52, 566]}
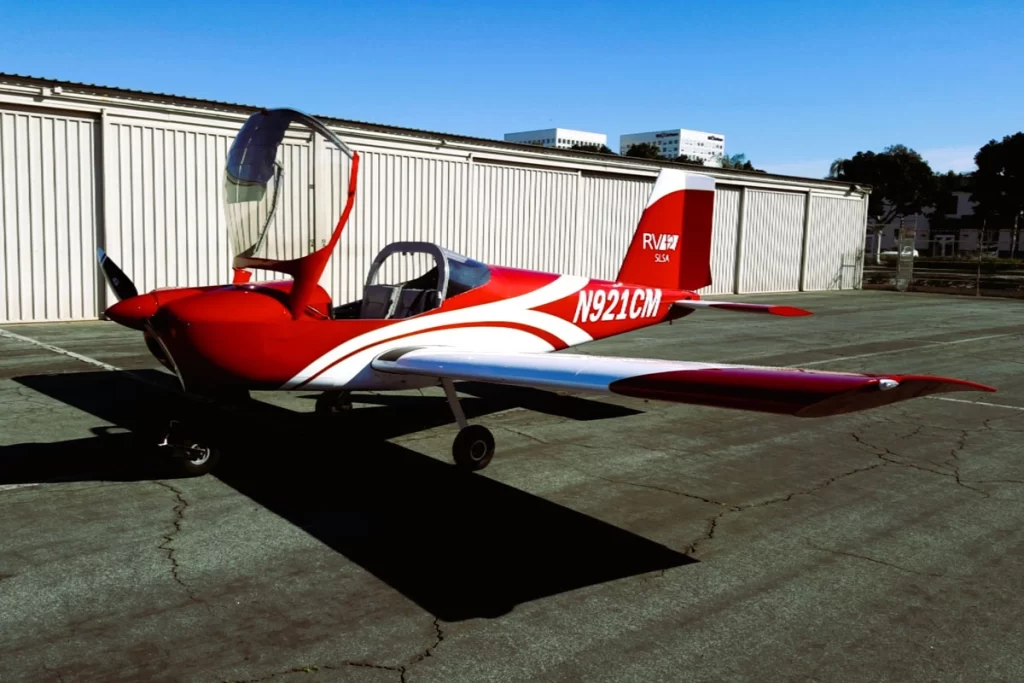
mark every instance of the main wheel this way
{"type": "Point", "coordinates": [333, 403]}
{"type": "Point", "coordinates": [473, 447]}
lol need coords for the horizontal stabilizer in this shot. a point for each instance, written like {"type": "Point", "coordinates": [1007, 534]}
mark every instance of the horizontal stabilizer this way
{"type": "Point", "coordinates": [770, 309]}
{"type": "Point", "coordinates": [790, 391]}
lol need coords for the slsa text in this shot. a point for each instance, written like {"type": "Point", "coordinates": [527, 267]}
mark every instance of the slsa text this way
{"type": "Point", "coordinates": [617, 304]}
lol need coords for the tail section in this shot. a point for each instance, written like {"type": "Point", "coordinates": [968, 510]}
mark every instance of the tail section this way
{"type": "Point", "coordinates": [671, 247]}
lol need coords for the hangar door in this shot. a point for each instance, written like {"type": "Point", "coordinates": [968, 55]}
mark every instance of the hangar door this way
{"type": "Point", "coordinates": [399, 197]}
{"type": "Point", "coordinates": [724, 230]}
{"type": "Point", "coordinates": [772, 242]}
{"type": "Point", "coordinates": [47, 217]}
{"type": "Point", "coordinates": [835, 250]}
{"type": "Point", "coordinates": [165, 223]}
{"type": "Point", "coordinates": [609, 210]}
{"type": "Point", "coordinates": [522, 217]}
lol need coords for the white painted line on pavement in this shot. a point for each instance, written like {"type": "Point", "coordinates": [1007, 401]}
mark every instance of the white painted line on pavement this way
{"type": "Point", "coordinates": [977, 403]}
{"type": "Point", "coordinates": [85, 359]}
{"type": "Point", "coordinates": [11, 487]}
{"type": "Point", "coordinates": [924, 343]}
{"type": "Point", "coordinates": [57, 349]}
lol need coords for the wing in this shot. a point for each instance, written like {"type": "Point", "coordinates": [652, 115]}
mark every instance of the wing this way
{"type": "Point", "coordinates": [791, 391]}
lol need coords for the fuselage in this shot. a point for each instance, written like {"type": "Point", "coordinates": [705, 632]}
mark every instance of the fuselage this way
{"type": "Point", "coordinates": [244, 335]}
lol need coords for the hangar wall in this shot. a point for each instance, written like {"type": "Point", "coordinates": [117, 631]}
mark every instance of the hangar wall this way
{"type": "Point", "coordinates": [140, 176]}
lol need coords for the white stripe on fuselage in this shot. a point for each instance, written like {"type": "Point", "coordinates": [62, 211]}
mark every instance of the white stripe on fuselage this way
{"type": "Point", "coordinates": [356, 373]}
{"type": "Point", "coordinates": [515, 310]}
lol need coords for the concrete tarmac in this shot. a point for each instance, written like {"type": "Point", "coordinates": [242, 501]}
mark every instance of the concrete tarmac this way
{"type": "Point", "coordinates": [611, 539]}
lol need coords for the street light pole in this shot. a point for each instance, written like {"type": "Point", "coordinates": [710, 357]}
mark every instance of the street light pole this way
{"type": "Point", "coordinates": [1016, 234]}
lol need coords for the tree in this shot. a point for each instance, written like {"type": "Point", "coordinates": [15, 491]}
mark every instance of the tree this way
{"type": "Point", "coordinates": [902, 183]}
{"type": "Point", "coordinates": [738, 162]}
{"type": "Point", "coordinates": [999, 184]}
{"type": "Point", "coordinates": [592, 147]}
{"type": "Point", "coordinates": [644, 150]}
{"type": "Point", "coordinates": [683, 159]}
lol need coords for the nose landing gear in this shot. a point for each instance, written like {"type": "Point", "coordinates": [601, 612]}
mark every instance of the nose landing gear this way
{"type": "Point", "coordinates": [189, 454]}
{"type": "Point", "coordinates": [473, 447]}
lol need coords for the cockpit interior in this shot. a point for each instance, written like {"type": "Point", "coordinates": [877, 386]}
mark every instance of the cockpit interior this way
{"type": "Point", "coordinates": [451, 274]}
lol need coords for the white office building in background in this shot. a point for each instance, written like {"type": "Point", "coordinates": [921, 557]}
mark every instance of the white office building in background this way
{"type": "Point", "coordinates": [561, 138]}
{"type": "Point", "coordinates": [676, 141]}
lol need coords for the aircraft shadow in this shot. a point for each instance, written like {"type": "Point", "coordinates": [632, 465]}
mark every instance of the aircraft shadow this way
{"type": "Point", "coordinates": [458, 544]}
{"type": "Point", "coordinates": [499, 398]}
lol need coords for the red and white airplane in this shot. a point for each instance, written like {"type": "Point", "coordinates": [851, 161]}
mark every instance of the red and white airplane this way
{"type": "Point", "coordinates": [460, 320]}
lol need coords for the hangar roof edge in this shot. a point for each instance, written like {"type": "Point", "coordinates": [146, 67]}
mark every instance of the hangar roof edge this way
{"type": "Point", "coordinates": [233, 107]}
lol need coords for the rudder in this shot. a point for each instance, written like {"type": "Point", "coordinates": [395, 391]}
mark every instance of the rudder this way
{"type": "Point", "coordinates": [671, 247]}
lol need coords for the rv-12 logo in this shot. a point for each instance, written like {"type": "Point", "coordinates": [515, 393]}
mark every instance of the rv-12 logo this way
{"type": "Point", "coordinates": [662, 242]}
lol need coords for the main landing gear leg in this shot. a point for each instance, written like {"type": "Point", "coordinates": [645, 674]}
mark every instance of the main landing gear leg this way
{"type": "Point", "coordinates": [333, 402]}
{"type": "Point", "coordinates": [474, 446]}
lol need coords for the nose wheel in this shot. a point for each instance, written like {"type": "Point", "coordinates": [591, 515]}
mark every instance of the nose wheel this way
{"type": "Point", "coordinates": [473, 448]}
{"type": "Point", "coordinates": [193, 457]}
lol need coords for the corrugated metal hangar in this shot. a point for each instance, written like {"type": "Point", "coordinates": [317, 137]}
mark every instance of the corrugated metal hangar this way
{"type": "Point", "coordinates": [140, 174]}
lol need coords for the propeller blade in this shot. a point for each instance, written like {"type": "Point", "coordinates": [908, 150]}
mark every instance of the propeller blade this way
{"type": "Point", "coordinates": [122, 285]}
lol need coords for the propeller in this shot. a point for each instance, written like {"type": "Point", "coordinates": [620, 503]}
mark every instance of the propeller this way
{"type": "Point", "coordinates": [122, 285]}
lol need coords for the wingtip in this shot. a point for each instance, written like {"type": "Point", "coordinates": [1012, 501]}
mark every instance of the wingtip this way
{"type": "Point", "coordinates": [789, 311]}
{"type": "Point", "coordinates": [948, 383]}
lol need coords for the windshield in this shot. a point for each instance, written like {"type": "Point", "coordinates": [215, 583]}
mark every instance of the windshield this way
{"type": "Point", "coordinates": [269, 179]}
{"type": "Point", "coordinates": [465, 274]}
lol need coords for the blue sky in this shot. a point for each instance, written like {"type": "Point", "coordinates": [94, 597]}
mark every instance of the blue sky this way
{"type": "Point", "coordinates": [792, 85]}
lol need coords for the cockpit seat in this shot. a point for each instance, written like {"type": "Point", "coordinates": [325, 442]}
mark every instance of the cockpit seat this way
{"type": "Point", "coordinates": [415, 301]}
{"type": "Point", "coordinates": [378, 302]}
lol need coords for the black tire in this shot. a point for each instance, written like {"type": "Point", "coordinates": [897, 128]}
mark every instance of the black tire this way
{"type": "Point", "coordinates": [333, 403]}
{"type": "Point", "coordinates": [196, 464]}
{"type": "Point", "coordinates": [473, 448]}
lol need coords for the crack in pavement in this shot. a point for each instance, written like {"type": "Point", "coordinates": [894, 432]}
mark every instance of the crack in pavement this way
{"type": "Point", "coordinates": [542, 442]}
{"type": "Point", "coordinates": [889, 457]}
{"type": "Point", "coordinates": [712, 522]}
{"type": "Point", "coordinates": [622, 482]}
{"type": "Point", "coordinates": [402, 671]}
{"type": "Point", "coordinates": [429, 652]}
{"type": "Point", "coordinates": [817, 487]}
{"type": "Point", "coordinates": [313, 668]}
{"type": "Point", "coordinates": [179, 514]}
{"type": "Point", "coordinates": [875, 560]}
{"type": "Point", "coordinates": [709, 533]}
{"type": "Point", "coordinates": [54, 672]}
{"type": "Point", "coordinates": [31, 397]}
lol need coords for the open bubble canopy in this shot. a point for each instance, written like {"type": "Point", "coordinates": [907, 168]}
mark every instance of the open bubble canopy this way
{"type": "Point", "coordinates": [254, 182]}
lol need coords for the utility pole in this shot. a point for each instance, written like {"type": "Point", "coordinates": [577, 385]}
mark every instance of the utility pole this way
{"type": "Point", "coordinates": [981, 244]}
{"type": "Point", "coordinates": [1016, 234]}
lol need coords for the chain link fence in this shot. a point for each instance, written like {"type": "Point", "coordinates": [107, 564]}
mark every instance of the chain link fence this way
{"type": "Point", "coordinates": [978, 262]}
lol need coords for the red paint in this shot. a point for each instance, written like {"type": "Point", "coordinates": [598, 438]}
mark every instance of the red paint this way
{"type": "Point", "coordinates": [307, 270]}
{"type": "Point", "coordinates": [264, 335]}
{"type": "Point", "coordinates": [787, 311]}
{"type": "Point", "coordinates": [805, 393]}
{"type": "Point", "coordinates": [671, 247]}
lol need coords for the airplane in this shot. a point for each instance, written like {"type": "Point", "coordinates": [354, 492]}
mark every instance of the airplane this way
{"type": "Point", "coordinates": [461, 320]}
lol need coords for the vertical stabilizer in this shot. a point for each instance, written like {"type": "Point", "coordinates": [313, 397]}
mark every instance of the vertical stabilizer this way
{"type": "Point", "coordinates": [671, 247]}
